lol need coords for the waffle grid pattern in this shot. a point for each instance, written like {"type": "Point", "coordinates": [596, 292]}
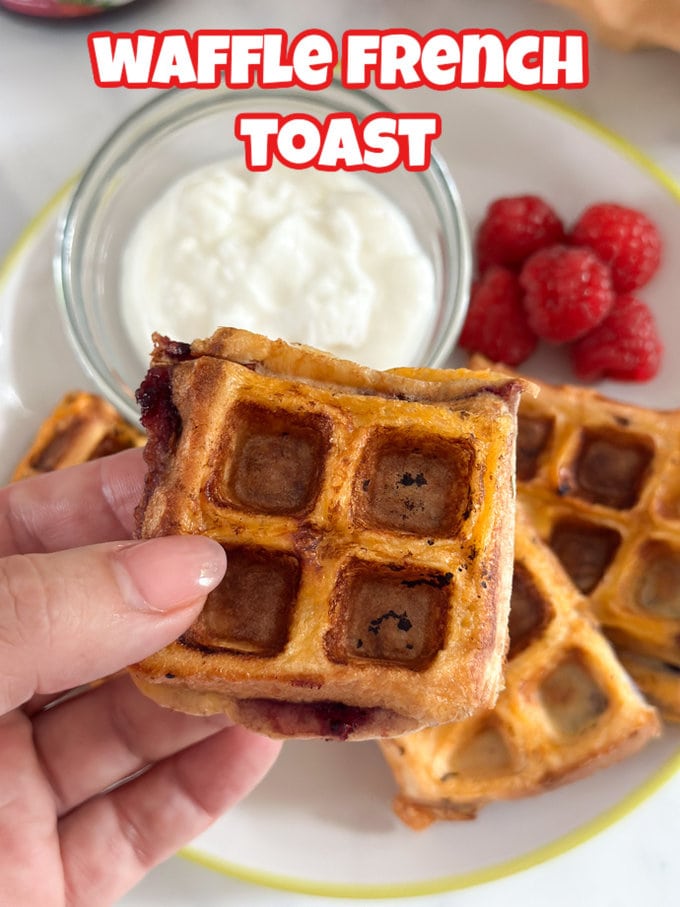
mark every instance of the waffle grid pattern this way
{"type": "Point", "coordinates": [600, 480]}
{"type": "Point", "coordinates": [391, 568]}
{"type": "Point", "coordinates": [568, 707]}
{"type": "Point", "coordinates": [387, 528]}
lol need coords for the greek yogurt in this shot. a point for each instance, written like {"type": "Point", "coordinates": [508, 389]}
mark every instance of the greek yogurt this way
{"type": "Point", "coordinates": [312, 257]}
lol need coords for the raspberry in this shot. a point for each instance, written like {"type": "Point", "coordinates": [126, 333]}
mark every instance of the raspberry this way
{"type": "Point", "coordinates": [514, 228]}
{"type": "Point", "coordinates": [625, 346]}
{"type": "Point", "coordinates": [624, 239]}
{"type": "Point", "coordinates": [567, 291]}
{"type": "Point", "coordinates": [496, 323]}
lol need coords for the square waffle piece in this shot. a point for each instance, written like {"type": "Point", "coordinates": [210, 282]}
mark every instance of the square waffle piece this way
{"type": "Point", "coordinates": [368, 523]}
{"type": "Point", "coordinates": [600, 481]}
{"type": "Point", "coordinates": [82, 427]}
{"type": "Point", "coordinates": [568, 707]}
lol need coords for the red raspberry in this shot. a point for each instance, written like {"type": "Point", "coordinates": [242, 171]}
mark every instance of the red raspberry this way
{"type": "Point", "coordinates": [567, 292]}
{"type": "Point", "coordinates": [514, 228]}
{"type": "Point", "coordinates": [496, 323]}
{"type": "Point", "coordinates": [625, 346]}
{"type": "Point", "coordinates": [624, 239]}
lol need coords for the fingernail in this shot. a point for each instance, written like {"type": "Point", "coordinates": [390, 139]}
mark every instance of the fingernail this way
{"type": "Point", "coordinates": [166, 573]}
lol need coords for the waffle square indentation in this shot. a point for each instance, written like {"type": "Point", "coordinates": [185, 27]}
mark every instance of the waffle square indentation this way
{"type": "Point", "coordinates": [388, 614]}
{"type": "Point", "coordinates": [485, 754]}
{"type": "Point", "coordinates": [418, 486]}
{"type": "Point", "coordinates": [249, 612]}
{"type": "Point", "coordinates": [530, 612]}
{"type": "Point", "coordinates": [585, 550]}
{"type": "Point", "coordinates": [277, 461]}
{"type": "Point", "coordinates": [610, 468]}
{"type": "Point", "coordinates": [658, 587]}
{"type": "Point", "coordinates": [534, 434]}
{"type": "Point", "coordinates": [571, 697]}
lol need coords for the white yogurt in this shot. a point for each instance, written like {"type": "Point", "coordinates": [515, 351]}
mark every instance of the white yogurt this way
{"type": "Point", "coordinates": [308, 256]}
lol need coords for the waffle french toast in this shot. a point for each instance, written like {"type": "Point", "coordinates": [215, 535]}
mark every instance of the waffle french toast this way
{"type": "Point", "coordinates": [82, 427]}
{"type": "Point", "coordinates": [600, 481]}
{"type": "Point", "coordinates": [367, 519]}
{"type": "Point", "coordinates": [568, 707]}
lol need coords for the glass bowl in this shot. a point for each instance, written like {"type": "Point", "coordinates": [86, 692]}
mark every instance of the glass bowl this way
{"type": "Point", "coordinates": [181, 131]}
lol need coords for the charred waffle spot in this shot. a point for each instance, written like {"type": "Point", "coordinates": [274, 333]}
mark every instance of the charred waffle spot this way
{"type": "Point", "coordinates": [585, 550]}
{"type": "Point", "coordinates": [658, 588]}
{"type": "Point", "coordinates": [377, 616]}
{"type": "Point", "coordinates": [407, 479]}
{"type": "Point", "coordinates": [416, 486]}
{"type": "Point", "coordinates": [436, 580]}
{"type": "Point", "coordinates": [530, 612]}
{"type": "Point", "coordinates": [277, 461]}
{"type": "Point", "coordinates": [250, 610]}
{"type": "Point", "coordinates": [486, 754]}
{"type": "Point", "coordinates": [610, 467]}
{"type": "Point", "coordinates": [534, 434]}
{"type": "Point", "coordinates": [564, 486]}
{"type": "Point", "coordinates": [402, 621]}
{"type": "Point", "coordinates": [159, 415]}
{"type": "Point", "coordinates": [571, 697]}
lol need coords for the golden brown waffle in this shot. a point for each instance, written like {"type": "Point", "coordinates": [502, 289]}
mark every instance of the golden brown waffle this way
{"type": "Point", "coordinates": [367, 519]}
{"type": "Point", "coordinates": [82, 427]}
{"type": "Point", "coordinates": [568, 707]}
{"type": "Point", "coordinates": [601, 483]}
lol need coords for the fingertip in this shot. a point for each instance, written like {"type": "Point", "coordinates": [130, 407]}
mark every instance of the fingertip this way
{"type": "Point", "coordinates": [169, 572]}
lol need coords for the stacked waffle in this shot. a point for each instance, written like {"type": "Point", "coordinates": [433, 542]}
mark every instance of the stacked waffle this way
{"type": "Point", "coordinates": [364, 515]}
{"type": "Point", "coordinates": [600, 481]}
{"type": "Point", "coordinates": [568, 707]}
{"type": "Point", "coordinates": [367, 519]}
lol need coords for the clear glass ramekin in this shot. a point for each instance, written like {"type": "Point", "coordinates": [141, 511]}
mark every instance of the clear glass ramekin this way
{"type": "Point", "coordinates": [180, 131]}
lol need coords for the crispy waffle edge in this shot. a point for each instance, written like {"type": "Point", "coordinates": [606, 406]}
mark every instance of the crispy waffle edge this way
{"type": "Point", "coordinates": [186, 679]}
{"type": "Point", "coordinates": [629, 584]}
{"type": "Point", "coordinates": [436, 777]}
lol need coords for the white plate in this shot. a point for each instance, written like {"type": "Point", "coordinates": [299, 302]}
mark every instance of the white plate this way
{"type": "Point", "coordinates": [321, 822]}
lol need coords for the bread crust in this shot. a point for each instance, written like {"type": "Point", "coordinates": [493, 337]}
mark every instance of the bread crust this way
{"type": "Point", "coordinates": [398, 618]}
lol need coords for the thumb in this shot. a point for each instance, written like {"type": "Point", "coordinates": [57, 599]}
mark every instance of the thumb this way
{"type": "Point", "coordinates": [73, 616]}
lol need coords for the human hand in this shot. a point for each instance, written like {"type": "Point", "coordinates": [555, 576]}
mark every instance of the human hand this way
{"type": "Point", "coordinates": [77, 604]}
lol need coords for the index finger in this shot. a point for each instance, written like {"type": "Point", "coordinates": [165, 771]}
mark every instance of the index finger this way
{"type": "Point", "coordinates": [81, 505]}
